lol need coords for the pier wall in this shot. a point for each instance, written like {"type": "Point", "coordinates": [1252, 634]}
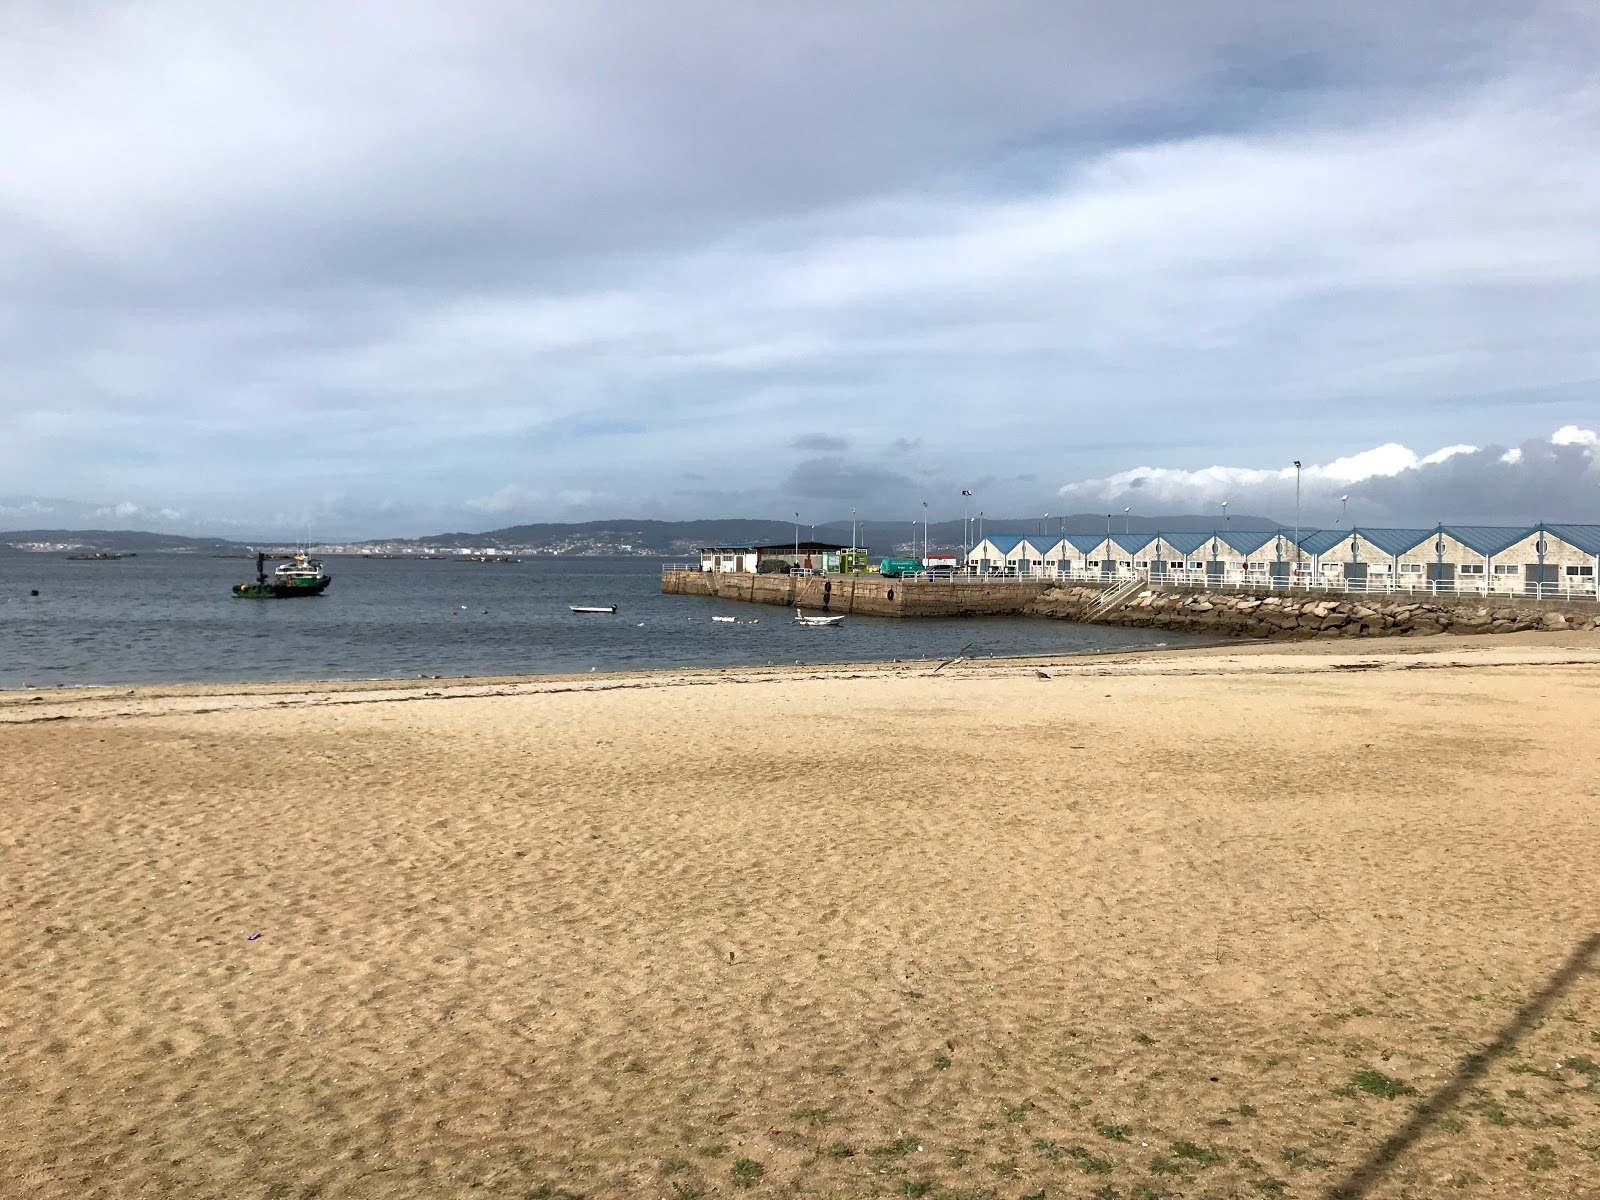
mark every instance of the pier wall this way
{"type": "Point", "coordinates": [866, 595]}
{"type": "Point", "coordinates": [1196, 609]}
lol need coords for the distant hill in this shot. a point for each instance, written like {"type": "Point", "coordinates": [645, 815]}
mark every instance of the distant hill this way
{"type": "Point", "coordinates": [660, 537]}
{"type": "Point", "coordinates": [683, 537]}
{"type": "Point", "coordinates": [121, 541]}
{"type": "Point", "coordinates": [663, 538]}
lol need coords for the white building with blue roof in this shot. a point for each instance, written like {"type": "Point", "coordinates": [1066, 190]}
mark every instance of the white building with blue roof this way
{"type": "Point", "coordinates": [1561, 559]}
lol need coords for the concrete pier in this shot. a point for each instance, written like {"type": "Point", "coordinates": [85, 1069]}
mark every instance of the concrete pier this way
{"type": "Point", "coordinates": [866, 595]}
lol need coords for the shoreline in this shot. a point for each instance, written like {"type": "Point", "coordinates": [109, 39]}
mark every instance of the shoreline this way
{"type": "Point", "coordinates": [1231, 657]}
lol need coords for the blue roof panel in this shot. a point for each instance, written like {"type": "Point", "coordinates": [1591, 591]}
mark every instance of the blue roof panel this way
{"type": "Point", "coordinates": [1003, 542]}
{"type": "Point", "coordinates": [1584, 537]}
{"type": "Point", "coordinates": [1320, 541]}
{"type": "Point", "coordinates": [1085, 541]}
{"type": "Point", "coordinates": [1247, 541]}
{"type": "Point", "coordinates": [1132, 543]}
{"type": "Point", "coordinates": [1395, 541]}
{"type": "Point", "coordinates": [1488, 539]}
{"type": "Point", "coordinates": [1184, 543]}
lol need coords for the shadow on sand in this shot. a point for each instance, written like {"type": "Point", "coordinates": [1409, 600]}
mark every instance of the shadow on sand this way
{"type": "Point", "coordinates": [1368, 1174]}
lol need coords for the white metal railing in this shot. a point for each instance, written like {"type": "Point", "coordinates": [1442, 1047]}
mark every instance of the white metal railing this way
{"type": "Point", "coordinates": [1113, 597]}
{"type": "Point", "coordinates": [1577, 587]}
{"type": "Point", "coordinates": [668, 567]}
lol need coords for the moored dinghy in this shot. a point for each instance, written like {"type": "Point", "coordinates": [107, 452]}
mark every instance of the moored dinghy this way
{"type": "Point", "coordinates": [591, 608]}
{"type": "Point", "coordinates": [816, 619]}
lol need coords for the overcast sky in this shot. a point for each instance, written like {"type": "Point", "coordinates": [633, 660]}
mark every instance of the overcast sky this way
{"type": "Point", "coordinates": [397, 267]}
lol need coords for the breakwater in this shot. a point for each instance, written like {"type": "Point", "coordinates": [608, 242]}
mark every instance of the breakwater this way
{"type": "Point", "coordinates": [1299, 615]}
{"type": "Point", "coordinates": [1217, 611]}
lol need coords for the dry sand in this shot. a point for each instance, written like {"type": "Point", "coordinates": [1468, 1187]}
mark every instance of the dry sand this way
{"type": "Point", "coordinates": [1136, 929]}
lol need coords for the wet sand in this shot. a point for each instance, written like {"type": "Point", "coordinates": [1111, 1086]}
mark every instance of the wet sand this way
{"type": "Point", "coordinates": [1205, 923]}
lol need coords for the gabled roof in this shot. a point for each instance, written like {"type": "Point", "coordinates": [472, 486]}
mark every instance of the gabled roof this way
{"type": "Point", "coordinates": [1320, 541]}
{"type": "Point", "coordinates": [1488, 539]}
{"type": "Point", "coordinates": [1395, 541]}
{"type": "Point", "coordinates": [1042, 543]}
{"type": "Point", "coordinates": [1132, 543]}
{"type": "Point", "coordinates": [1584, 537]}
{"type": "Point", "coordinates": [1185, 543]}
{"type": "Point", "coordinates": [1247, 541]}
{"type": "Point", "coordinates": [1085, 541]}
{"type": "Point", "coordinates": [1005, 543]}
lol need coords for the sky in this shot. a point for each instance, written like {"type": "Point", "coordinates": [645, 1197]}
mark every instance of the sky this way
{"type": "Point", "coordinates": [391, 268]}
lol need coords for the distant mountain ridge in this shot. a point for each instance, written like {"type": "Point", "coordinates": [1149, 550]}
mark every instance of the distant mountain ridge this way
{"type": "Point", "coordinates": [679, 537]}
{"type": "Point", "coordinates": [121, 541]}
{"type": "Point", "coordinates": [648, 537]}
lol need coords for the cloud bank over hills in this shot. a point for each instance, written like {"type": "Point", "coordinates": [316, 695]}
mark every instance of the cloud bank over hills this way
{"type": "Point", "coordinates": [409, 266]}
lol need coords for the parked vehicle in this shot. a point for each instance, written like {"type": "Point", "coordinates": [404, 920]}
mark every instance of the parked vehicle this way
{"type": "Point", "coordinates": [895, 568]}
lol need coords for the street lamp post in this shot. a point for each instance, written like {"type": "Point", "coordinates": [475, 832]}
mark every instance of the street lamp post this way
{"type": "Point", "coordinates": [1224, 516]}
{"type": "Point", "coordinates": [924, 534]}
{"type": "Point", "coordinates": [796, 540]}
{"type": "Point", "coordinates": [966, 528]}
{"type": "Point", "coordinates": [1127, 521]}
{"type": "Point", "coordinates": [1296, 570]}
{"type": "Point", "coordinates": [852, 529]}
{"type": "Point", "coordinates": [1344, 510]}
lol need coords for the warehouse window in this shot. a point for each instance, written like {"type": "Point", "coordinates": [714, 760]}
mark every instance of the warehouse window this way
{"type": "Point", "coordinates": [1508, 568]}
{"type": "Point", "coordinates": [1470, 568]}
{"type": "Point", "coordinates": [1411, 568]}
{"type": "Point", "coordinates": [1577, 571]}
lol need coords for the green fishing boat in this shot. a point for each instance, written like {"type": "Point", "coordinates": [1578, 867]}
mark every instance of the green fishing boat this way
{"type": "Point", "coordinates": [300, 576]}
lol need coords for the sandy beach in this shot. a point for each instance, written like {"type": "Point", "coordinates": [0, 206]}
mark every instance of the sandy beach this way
{"type": "Point", "coordinates": [1306, 920]}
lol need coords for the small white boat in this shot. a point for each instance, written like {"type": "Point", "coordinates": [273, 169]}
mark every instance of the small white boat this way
{"type": "Point", "coordinates": [727, 620]}
{"type": "Point", "coordinates": [812, 619]}
{"type": "Point", "coordinates": [590, 608]}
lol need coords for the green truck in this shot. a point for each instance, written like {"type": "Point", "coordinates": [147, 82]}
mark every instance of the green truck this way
{"type": "Point", "coordinates": [894, 568]}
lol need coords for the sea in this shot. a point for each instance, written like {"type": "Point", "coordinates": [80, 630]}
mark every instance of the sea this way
{"type": "Point", "coordinates": [169, 618]}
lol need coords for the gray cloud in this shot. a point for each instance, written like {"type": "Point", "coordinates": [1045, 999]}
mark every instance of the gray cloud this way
{"type": "Point", "coordinates": [842, 484]}
{"type": "Point", "coordinates": [460, 263]}
{"type": "Point", "coordinates": [819, 441]}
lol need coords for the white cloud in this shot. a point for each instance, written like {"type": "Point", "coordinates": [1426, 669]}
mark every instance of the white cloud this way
{"type": "Point", "coordinates": [1389, 483]}
{"type": "Point", "coordinates": [1572, 435]}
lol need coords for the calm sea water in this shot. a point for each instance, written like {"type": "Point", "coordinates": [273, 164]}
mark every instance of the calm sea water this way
{"type": "Point", "coordinates": [172, 619]}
